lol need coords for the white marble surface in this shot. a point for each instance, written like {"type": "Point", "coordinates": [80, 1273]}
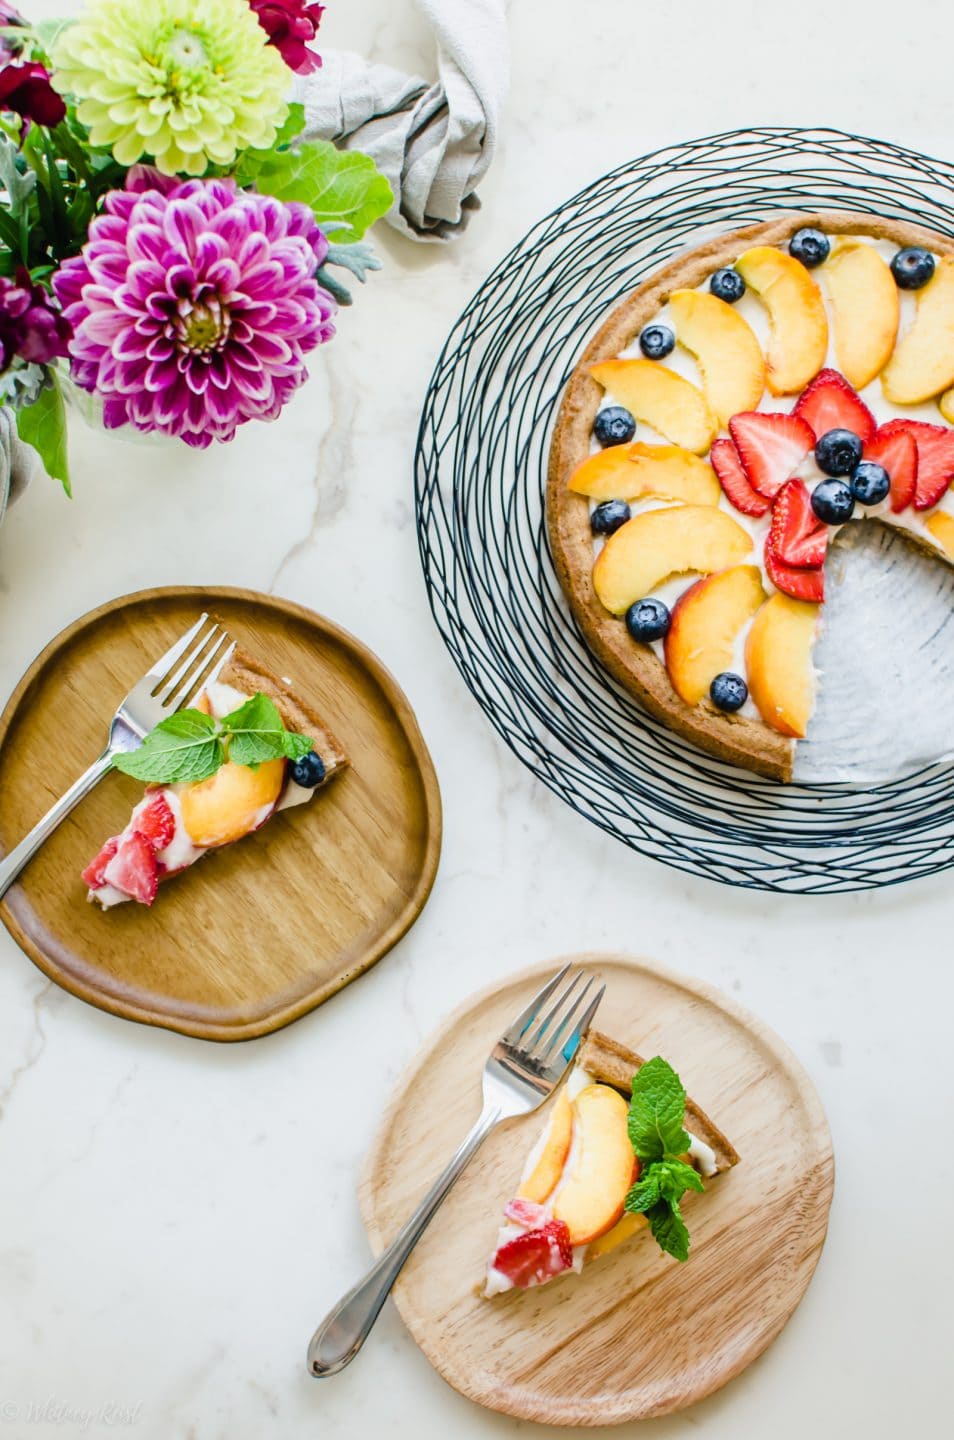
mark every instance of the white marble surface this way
{"type": "Point", "coordinates": [175, 1216]}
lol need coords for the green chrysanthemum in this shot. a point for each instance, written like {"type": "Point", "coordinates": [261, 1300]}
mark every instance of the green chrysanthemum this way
{"type": "Point", "coordinates": [183, 81]}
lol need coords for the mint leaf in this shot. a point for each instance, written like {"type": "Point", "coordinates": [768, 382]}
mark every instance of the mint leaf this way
{"type": "Point", "coordinates": [343, 187]}
{"type": "Point", "coordinates": [669, 1229]}
{"type": "Point", "coordinates": [644, 1194]}
{"type": "Point", "coordinates": [184, 746]}
{"type": "Point", "coordinates": [675, 1178]}
{"type": "Point", "coordinates": [43, 425]}
{"type": "Point", "coordinates": [297, 746]}
{"type": "Point", "coordinates": [256, 733]}
{"type": "Point", "coordinates": [656, 1112]}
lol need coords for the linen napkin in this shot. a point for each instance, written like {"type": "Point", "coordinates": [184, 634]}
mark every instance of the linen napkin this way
{"type": "Point", "coordinates": [17, 461]}
{"type": "Point", "coordinates": [434, 142]}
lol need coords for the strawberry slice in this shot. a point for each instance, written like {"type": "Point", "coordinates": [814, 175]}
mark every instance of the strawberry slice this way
{"type": "Point", "coordinates": [726, 463]}
{"type": "Point", "coordinates": [536, 1256]}
{"type": "Point", "coordinates": [156, 821]}
{"type": "Point", "coordinates": [830, 403]}
{"type": "Point", "coordinates": [797, 536]}
{"type": "Point", "coordinates": [133, 869]}
{"type": "Point", "coordinates": [94, 874]}
{"type": "Point", "coordinates": [935, 458]}
{"type": "Point", "coordinates": [897, 451]}
{"type": "Point", "coordinates": [771, 446]}
{"type": "Point", "coordinates": [526, 1213]}
{"type": "Point", "coordinates": [801, 584]}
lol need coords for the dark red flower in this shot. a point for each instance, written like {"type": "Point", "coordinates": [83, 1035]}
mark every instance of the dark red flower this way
{"type": "Point", "coordinates": [290, 25]}
{"type": "Point", "coordinates": [31, 324]}
{"type": "Point", "coordinates": [26, 90]}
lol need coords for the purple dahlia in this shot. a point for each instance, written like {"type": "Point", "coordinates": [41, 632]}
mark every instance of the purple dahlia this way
{"type": "Point", "coordinates": [193, 305]}
{"type": "Point", "coordinates": [31, 326]}
{"type": "Point", "coordinates": [291, 25]}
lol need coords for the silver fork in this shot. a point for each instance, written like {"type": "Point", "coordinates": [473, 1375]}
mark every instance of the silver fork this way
{"type": "Point", "coordinates": [163, 689]}
{"type": "Point", "coordinates": [522, 1071]}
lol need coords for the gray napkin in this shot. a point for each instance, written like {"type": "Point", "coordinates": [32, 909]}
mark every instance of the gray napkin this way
{"type": "Point", "coordinates": [434, 142]}
{"type": "Point", "coordinates": [18, 462]}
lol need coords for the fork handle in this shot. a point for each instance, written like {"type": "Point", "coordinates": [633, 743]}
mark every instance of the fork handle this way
{"type": "Point", "coordinates": [13, 863]}
{"type": "Point", "coordinates": [341, 1334]}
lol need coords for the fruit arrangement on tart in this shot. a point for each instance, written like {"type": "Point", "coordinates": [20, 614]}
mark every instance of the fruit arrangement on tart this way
{"type": "Point", "coordinates": [728, 419]}
{"type": "Point", "coordinates": [621, 1147]}
{"type": "Point", "coordinates": [215, 772]}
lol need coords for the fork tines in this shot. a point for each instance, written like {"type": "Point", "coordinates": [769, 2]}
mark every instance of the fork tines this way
{"type": "Point", "coordinates": [544, 1033]}
{"type": "Point", "coordinates": [173, 687]}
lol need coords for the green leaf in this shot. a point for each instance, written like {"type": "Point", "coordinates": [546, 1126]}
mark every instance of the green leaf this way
{"type": "Point", "coordinates": [292, 128]}
{"type": "Point", "coordinates": [43, 425]}
{"type": "Point", "coordinates": [656, 1112]}
{"type": "Point", "coordinates": [669, 1229]}
{"type": "Point", "coordinates": [644, 1194]}
{"type": "Point", "coordinates": [343, 187]}
{"type": "Point", "coordinates": [183, 747]}
{"type": "Point", "coordinates": [676, 1177]}
{"type": "Point", "coordinates": [256, 733]}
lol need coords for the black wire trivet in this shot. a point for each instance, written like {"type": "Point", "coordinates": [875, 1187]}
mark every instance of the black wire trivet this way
{"type": "Point", "coordinates": [480, 478]}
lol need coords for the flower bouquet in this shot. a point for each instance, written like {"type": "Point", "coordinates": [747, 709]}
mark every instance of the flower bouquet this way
{"type": "Point", "coordinates": [165, 238]}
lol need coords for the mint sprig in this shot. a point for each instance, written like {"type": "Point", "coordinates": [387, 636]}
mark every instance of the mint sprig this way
{"type": "Point", "coordinates": [656, 1130]}
{"type": "Point", "coordinates": [190, 746]}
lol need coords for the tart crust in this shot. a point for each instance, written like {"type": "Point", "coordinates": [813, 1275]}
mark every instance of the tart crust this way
{"type": "Point", "coordinates": [610, 1063]}
{"type": "Point", "coordinates": [250, 676]}
{"type": "Point", "coordinates": [735, 738]}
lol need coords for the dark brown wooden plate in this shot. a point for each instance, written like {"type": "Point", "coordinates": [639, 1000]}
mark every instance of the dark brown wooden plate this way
{"type": "Point", "coordinates": [253, 937]}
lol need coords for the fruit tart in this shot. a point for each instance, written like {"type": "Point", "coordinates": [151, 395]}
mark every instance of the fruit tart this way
{"type": "Point", "coordinates": [621, 1146]}
{"type": "Point", "coordinates": [729, 418]}
{"type": "Point", "coordinates": [246, 749]}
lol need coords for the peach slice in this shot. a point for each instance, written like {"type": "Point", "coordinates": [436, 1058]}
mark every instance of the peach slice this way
{"type": "Point", "coordinates": [672, 405]}
{"type": "Point", "coordinates": [798, 323]}
{"type": "Point", "coordinates": [923, 362]}
{"type": "Point", "coordinates": [729, 355]}
{"type": "Point", "coordinates": [659, 543]}
{"type": "Point", "coordinates": [706, 620]}
{"type": "Point", "coordinates": [865, 310]}
{"type": "Point", "coordinates": [778, 660]}
{"type": "Point", "coordinates": [590, 1200]}
{"type": "Point", "coordinates": [638, 472]}
{"type": "Point", "coordinates": [233, 801]}
{"type": "Point", "coordinates": [625, 1226]}
{"type": "Point", "coordinates": [551, 1158]}
{"type": "Point", "coordinates": [941, 526]}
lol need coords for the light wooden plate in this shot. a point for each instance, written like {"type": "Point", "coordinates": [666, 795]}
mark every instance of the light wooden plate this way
{"type": "Point", "coordinates": [637, 1334]}
{"type": "Point", "coordinates": [254, 937]}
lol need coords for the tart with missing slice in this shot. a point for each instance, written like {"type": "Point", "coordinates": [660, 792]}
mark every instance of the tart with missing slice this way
{"type": "Point", "coordinates": [737, 410]}
{"type": "Point", "coordinates": [621, 1145]}
{"type": "Point", "coordinates": [264, 750]}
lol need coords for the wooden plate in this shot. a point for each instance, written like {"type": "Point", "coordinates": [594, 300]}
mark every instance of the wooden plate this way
{"type": "Point", "coordinates": [253, 937]}
{"type": "Point", "coordinates": [637, 1334]}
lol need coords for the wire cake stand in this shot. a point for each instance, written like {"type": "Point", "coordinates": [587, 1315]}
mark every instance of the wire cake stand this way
{"type": "Point", "coordinates": [480, 479]}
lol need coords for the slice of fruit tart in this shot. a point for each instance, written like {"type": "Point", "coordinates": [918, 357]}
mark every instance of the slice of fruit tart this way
{"type": "Point", "coordinates": [246, 749]}
{"type": "Point", "coordinates": [621, 1147]}
{"type": "Point", "coordinates": [751, 399]}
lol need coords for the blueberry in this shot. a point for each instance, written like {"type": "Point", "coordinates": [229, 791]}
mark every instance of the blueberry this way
{"type": "Point", "coordinates": [811, 247]}
{"type": "Point", "coordinates": [648, 620]}
{"type": "Point", "coordinates": [656, 341]}
{"type": "Point", "coordinates": [838, 452]}
{"type": "Point", "coordinates": [614, 426]}
{"type": "Point", "coordinates": [729, 691]}
{"type": "Point", "coordinates": [727, 285]}
{"type": "Point", "coordinates": [609, 516]}
{"type": "Point", "coordinates": [833, 502]}
{"type": "Point", "coordinates": [870, 483]}
{"type": "Point", "coordinates": [912, 267]}
{"type": "Point", "coordinates": [307, 772]}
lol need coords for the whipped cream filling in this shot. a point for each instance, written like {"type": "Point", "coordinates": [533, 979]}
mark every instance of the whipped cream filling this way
{"type": "Point", "coordinates": [181, 852]}
{"type": "Point", "coordinates": [683, 363]}
{"type": "Point", "coordinates": [700, 1154]}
